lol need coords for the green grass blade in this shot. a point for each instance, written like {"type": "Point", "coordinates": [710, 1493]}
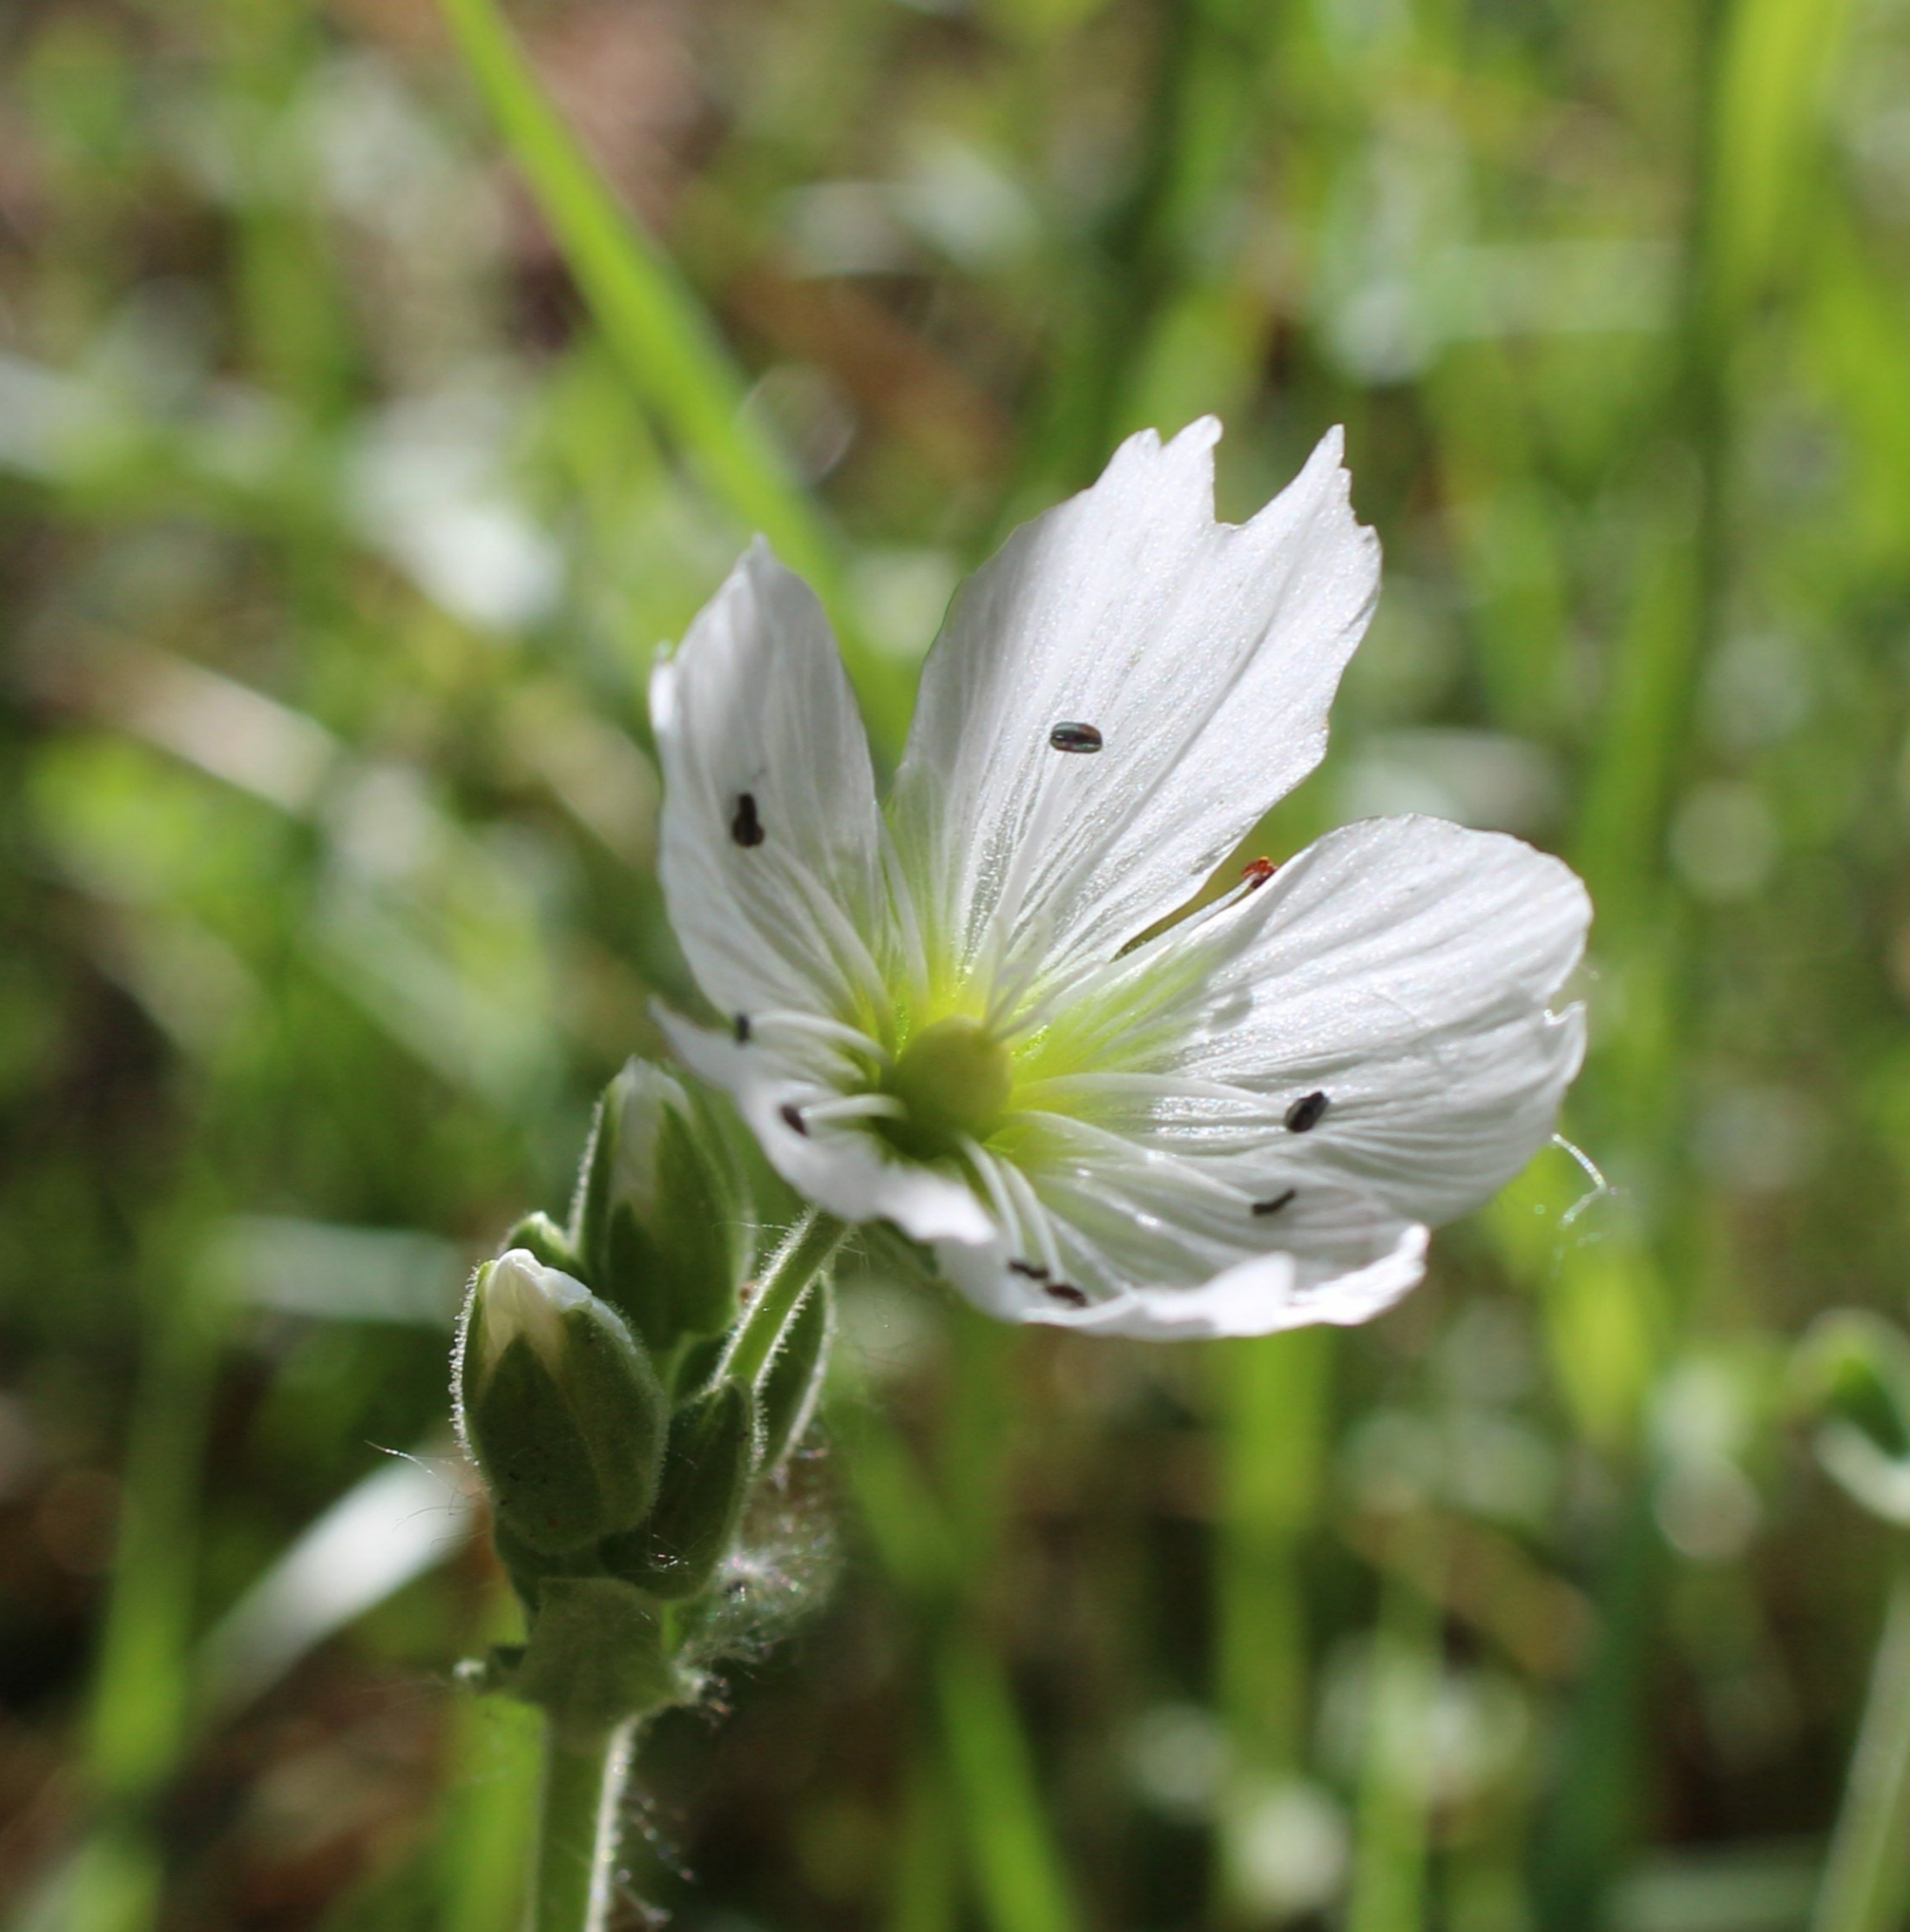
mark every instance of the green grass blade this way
{"type": "Point", "coordinates": [1866, 1882]}
{"type": "Point", "coordinates": [667, 343]}
{"type": "Point", "coordinates": [1022, 1885]}
{"type": "Point", "coordinates": [1272, 1427]}
{"type": "Point", "coordinates": [138, 1720]}
{"type": "Point", "coordinates": [1389, 1870]}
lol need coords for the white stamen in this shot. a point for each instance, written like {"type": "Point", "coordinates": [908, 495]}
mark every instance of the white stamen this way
{"type": "Point", "coordinates": [821, 1027]}
{"type": "Point", "coordinates": [857, 1106]}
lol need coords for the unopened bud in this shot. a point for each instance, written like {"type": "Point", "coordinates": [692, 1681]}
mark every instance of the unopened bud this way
{"type": "Point", "coordinates": [560, 1407]}
{"type": "Point", "coordinates": [549, 1244]}
{"type": "Point", "coordinates": [662, 1228]}
{"type": "Point", "coordinates": [706, 1472]}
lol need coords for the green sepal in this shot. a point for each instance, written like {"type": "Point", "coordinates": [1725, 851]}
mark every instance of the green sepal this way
{"type": "Point", "coordinates": [792, 1384]}
{"type": "Point", "coordinates": [549, 1242]}
{"type": "Point", "coordinates": [659, 1222]}
{"type": "Point", "coordinates": [529, 1567]}
{"type": "Point", "coordinates": [589, 1213]}
{"type": "Point", "coordinates": [598, 1654]}
{"type": "Point", "coordinates": [706, 1473]}
{"type": "Point", "coordinates": [571, 1447]}
{"type": "Point", "coordinates": [697, 1365]}
{"type": "Point", "coordinates": [700, 1228]}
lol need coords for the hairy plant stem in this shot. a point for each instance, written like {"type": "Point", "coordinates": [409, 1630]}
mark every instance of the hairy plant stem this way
{"type": "Point", "coordinates": [585, 1769]}
{"type": "Point", "coordinates": [811, 1244]}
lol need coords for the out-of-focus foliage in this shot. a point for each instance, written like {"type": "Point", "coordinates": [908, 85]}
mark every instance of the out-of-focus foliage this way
{"type": "Point", "coordinates": [336, 533]}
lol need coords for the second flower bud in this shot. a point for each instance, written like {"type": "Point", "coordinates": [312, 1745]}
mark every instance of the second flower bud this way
{"type": "Point", "coordinates": [559, 1404]}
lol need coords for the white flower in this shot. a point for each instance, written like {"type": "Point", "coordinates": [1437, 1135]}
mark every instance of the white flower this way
{"type": "Point", "coordinates": [953, 1011]}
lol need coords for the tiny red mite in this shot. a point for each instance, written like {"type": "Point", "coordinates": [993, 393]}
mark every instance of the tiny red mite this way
{"type": "Point", "coordinates": [1257, 874]}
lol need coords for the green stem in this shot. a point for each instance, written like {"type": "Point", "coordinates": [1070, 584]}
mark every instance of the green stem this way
{"type": "Point", "coordinates": [1865, 1880]}
{"type": "Point", "coordinates": [810, 1247]}
{"type": "Point", "coordinates": [584, 1774]}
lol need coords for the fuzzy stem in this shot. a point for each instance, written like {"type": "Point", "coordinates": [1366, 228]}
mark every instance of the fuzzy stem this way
{"type": "Point", "coordinates": [1864, 1879]}
{"type": "Point", "coordinates": [811, 1244]}
{"type": "Point", "coordinates": [584, 1774]}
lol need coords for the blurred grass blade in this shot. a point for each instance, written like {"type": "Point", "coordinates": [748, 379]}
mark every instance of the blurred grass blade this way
{"type": "Point", "coordinates": [1274, 1389]}
{"type": "Point", "coordinates": [1389, 1881]}
{"type": "Point", "coordinates": [651, 320]}
{"type": "Point", "coordinates": [329, 1272]}
{"type": "Point", "coordinates": [930, 1551]}
{"type": "Point", "coordinates": [904, 1518]}
{"type": "Point", "coordinates": [1274, 1395]}
{"type": "Point", "coordinates": [136, 1723]}
{"type": "Point", "coordinates": [1591, 1814]}
{"type": "Point", "coordinates": [1866, 1882]}
{"type": "Point", "coordinates": [1635, 765]}
{"type": "Point", "coordinates": [924, 1893]}
{"type": "Point", "coordinates": [401, 1520]}
{"type": "Point", "coordinates": [1758, 1886]}
{"type": "Point", "coordinates": [483, 1840]}
{"type": "Point", "coordinates": [1776, 62]}
{"type": "Point", "coordinates": [1017, 1872]}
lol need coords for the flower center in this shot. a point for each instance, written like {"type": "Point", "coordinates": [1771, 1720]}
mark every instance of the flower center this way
{"type": "Point", "coordinates": [955, 1079]}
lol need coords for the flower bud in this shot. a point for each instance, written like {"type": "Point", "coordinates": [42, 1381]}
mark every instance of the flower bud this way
{"type": "Point", "coordinates": [662, 1224]}
{"type": "Point", "coordinates": [549, 1244]}
{"type": "Point", "coordinates": [706, 1472]}
{"type": "Point", "coordinates": [561, 1410]}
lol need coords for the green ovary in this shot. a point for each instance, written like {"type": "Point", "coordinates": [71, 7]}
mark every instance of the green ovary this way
{"type": "Point", "coordinates": [955, 1081]}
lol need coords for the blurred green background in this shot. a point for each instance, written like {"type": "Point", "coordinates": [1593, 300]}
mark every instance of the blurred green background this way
{"type": "Point", "coordinates": [356, 451]}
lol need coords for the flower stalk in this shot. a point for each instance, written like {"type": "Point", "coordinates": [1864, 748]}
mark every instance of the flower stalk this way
{"type": "Point", "coordinates": [811, 1246]}
{"type": "Point", "coordinates": [585, 1770]}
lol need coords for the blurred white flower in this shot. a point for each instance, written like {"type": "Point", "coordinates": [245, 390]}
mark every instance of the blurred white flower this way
{"type": "Point", "coordinates": [963, 1012]}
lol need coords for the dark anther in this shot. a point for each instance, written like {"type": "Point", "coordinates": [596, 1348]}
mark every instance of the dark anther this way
{"type": "Point", "coordinates": [746, 827]}
{"type": "Point", "coordinates": [1304, 1115]}
{"type": "Point", "coordinates": [742, 1029]}
{"type": "Point", "coordinates": [1278, 1202]}
{"type": "Point", "coordinates": [1068, 1294]}
{"type": "Point", "coordinates": [1033, 1269]}
{"type": "Point", "coordinates": [792, 1118]}
{"type": "Point", "coordinates": [1073, 737]}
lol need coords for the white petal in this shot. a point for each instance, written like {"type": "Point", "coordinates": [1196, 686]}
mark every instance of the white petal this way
{"type": "Point", "coordinates": [1401, 968]}
{"type": "Point", "coordinates": [757, 733]}
{"type": "Point", "coordinates": [1262, 1297]}
{"type": "Point", "coordinates": [1205, 654]}
{"type": "Point", "coordinates": [834, 1162]}
{"type": "Point", "coordinates": [1157, 1249]}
